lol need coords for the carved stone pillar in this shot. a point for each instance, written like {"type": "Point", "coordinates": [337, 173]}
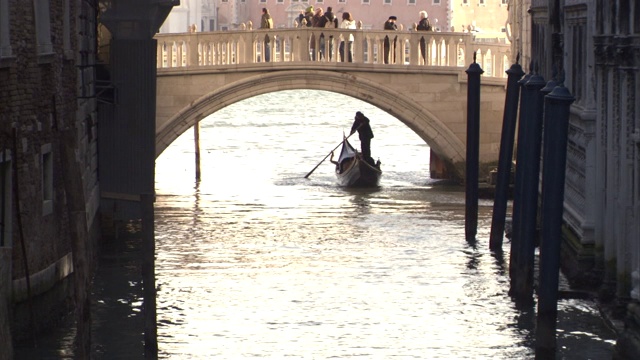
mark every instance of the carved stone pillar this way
{"type": "Point", "coordinates": [635, 139]}
{"type": "Point", "coordinates": [626, 105]}
{"type": "Point", "coordinates": [605, 246]}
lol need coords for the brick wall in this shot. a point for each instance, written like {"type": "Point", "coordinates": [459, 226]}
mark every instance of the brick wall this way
{"type": "Point", "coordinates": [47, 105]}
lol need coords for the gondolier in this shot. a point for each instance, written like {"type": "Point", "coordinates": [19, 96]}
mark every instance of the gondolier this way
{"type": "Point", "coordinates": [361, 124]}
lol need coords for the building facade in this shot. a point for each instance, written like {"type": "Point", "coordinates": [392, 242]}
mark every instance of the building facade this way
{"type": "Point", "coordinates": [593, 47]}
{"type": "Point", "coordinates": [519, 29]}
{"type": "Point", "coordinates": [48, 162]}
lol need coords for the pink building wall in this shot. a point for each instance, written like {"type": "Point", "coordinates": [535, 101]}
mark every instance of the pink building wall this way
{"type": "Point", "coordinates": [488, 16]}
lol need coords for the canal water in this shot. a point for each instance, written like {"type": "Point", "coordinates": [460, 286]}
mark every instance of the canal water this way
{"type": "Point", "coordinates": [256, 261]}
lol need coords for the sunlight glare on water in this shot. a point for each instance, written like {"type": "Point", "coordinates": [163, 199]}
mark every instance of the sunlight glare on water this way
{"type": "Point", "coordinates": [256, 261]}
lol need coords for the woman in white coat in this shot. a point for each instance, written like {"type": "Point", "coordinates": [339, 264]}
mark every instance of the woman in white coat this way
{"type": "Point", "coordinates": [347, 23]}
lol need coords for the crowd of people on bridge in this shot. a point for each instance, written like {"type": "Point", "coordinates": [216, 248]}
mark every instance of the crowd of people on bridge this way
{"type": "Point", "coordinates": [317, 17]}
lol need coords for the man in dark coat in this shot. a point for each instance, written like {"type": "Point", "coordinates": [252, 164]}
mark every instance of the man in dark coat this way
{"type": "Point", "coordinates": [423, 25]}
{"type": "Point", "coordinates": [361, 124]}
{"type": "Point", "coordinates": [332, 22]}
{"type": "Point", "coordinates": [390, 24]}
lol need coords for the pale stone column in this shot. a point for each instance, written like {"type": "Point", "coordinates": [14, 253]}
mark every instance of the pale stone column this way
{"type": "Point", "coordinates": [610, 232]}
{"type": "Point", "coordinates": [607, 157]}
{"type": "Point", "coordinates": [627, 223]}
{"type": "Point", "coordinates": [600, 153]}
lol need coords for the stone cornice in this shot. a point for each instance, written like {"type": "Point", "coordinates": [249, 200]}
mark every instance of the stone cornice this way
{"type": "Point", "coordinates": [138, 20]}
{"type": "Point", "coordinates": [603, 49]}
{"type": "Point", "coordinates": [616, 50]}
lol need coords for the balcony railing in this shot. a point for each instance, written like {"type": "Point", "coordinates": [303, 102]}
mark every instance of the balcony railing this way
{"type": "Point", "coordinates": [322, 45]}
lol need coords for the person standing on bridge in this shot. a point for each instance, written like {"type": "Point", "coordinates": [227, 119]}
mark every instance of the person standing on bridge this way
{"type": "Point", "coordinates": [266, 23]}
{"type": "Point", "coordinates": [390, 24]}
{"type": "Point", "coordinates": [319, 21]}
{"type": "Point", "coordinates": [308, 16]}
{"type": "Point", "coordinates": [332, 23]}
{"type": "Point", "coordinates": [423, 25]}
{"type": "Point", "coordinates": [362, 126]}
{"type": "Point", "coordinates": [299, 22]}
{"type": "Point", "coordinates": [347, 23]}
{"type": "Point", "coordinates": [308, 21]}
{"type": "Point", "coordinates": [332, 20]}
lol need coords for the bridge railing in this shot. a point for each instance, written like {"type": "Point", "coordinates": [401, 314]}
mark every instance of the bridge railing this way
{"type": "Point", "coordinates": [322, 45]}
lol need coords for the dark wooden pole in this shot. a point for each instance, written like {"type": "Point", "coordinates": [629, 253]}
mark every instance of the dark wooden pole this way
{"type": "Point", "coordinates": [473, 148]}
{"type": "Point", "coordinates": [149, 277]}
{"type": "Point", "coordinates": [196, 139]}
{"type": "Point", "coordinates": [556, 124]}
{"type": "Point", "coordinates": [528, 160]}
{"type": "Point", "coordinates": [506, 155]}
{"type": "Point", "coordinates": [551, 84]}
{"type": "Point", "coordinates": [514, 254]}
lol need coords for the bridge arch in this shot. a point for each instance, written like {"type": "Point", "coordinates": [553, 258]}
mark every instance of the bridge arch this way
{"type": "Point", "coordinates": [413, 114]}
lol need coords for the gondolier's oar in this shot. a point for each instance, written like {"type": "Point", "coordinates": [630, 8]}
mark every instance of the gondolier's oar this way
{"type": "Point", "coordinates": [325, 158]}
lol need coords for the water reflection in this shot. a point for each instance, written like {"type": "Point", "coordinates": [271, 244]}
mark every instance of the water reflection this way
{"type": "Point", "coordinates": [261, 262]}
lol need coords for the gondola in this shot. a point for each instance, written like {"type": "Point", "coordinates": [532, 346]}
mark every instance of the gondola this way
{"type": "Point", "coordinates": [353, 171]}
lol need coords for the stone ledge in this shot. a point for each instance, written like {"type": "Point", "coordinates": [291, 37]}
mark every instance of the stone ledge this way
{"type": "Point", "coordinates": [43, 280]}
{"type": "Point", "coordinates": [628, 344]}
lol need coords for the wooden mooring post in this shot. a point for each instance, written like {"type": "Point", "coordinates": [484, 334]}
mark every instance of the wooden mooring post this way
{"type": "Point", "coordinates": [473, 149]}
{"type": "Point", "coordinates": [505, 158]}
{"type": "Point", "coordinates": [149, 277]}
{"type": "Point", "coordinates": [528, 162]}
{"type": "Point", "coordinates": [555, 133]}
{"type": "Point", "coordinates": [513, 258]}
{"type": "Point", "coordinates": [196, 140]}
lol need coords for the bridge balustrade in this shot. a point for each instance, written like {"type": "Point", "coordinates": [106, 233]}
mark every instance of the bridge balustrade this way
{"type": "Point", "coordinates": [321, 46]}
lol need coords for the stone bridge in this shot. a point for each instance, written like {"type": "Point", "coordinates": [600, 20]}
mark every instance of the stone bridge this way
{"type": "Point", "coordinates": [201, 73]}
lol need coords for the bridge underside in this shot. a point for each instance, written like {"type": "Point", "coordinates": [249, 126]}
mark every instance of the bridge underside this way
{"type": "Point", "coordinates": [432, 105]}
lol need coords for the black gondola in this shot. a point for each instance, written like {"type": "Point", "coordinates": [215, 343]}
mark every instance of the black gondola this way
{"type": "Point", "coordinates": [354, 171]}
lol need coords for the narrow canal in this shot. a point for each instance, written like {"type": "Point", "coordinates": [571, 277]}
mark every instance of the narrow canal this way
{"type": "Point", "coordinates": [256, 261]}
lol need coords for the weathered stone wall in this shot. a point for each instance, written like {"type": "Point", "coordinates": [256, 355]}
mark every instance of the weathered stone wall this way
{"type": "Point", "coordinates": [37, 90]}
{"type": "Point", "coordinates": [48, 110]}
{"type": "Point", "coordinates": [597, 45]}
